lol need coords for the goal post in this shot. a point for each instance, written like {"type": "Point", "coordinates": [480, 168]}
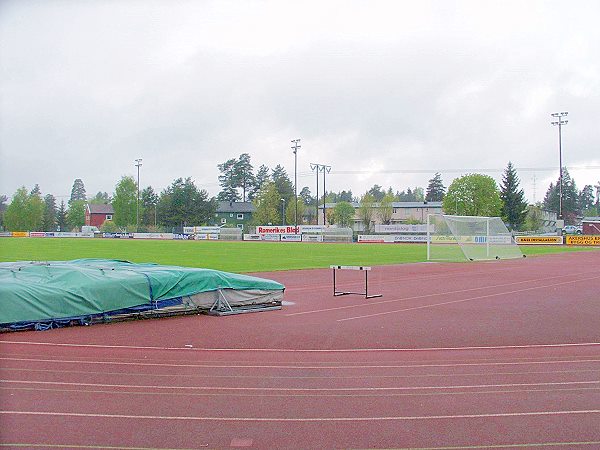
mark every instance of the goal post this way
{"type": "Point", "coordinates": [474, 238]}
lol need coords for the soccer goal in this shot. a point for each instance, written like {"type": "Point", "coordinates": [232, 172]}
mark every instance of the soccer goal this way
{"type": "Point", "coordinates": [456, 238]}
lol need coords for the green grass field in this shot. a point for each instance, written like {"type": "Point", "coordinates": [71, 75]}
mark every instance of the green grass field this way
{"type": "Point", "coordinates": [228, 256]}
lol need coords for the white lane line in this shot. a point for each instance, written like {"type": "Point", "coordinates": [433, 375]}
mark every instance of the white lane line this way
{"type": "Point", "coordinates": [300, 389]}
{"type": "Point", "coordinates": [305, 419]}
{"type": "Point", "coordinates": [291, 350]}
{"type": "Point", "coordinates": [302, 367]}
{"type": "Point", "coordinates": [459, 291]}
{"type": "Point", "coordinates": [301, 395]}
{"type": "Point", "coordinates": [465, 299]}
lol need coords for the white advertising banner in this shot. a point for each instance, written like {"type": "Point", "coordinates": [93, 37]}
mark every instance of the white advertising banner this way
{"type": "Point", "coordinates": [64, 234]}
{"type": "Point", "coordinates": [252, 237]}
{"type": "Point", "coordinates": [312, 238]}
{"type": "Point", "coordinates": [153, 235]}
{"type": "Point", "coordinates": [270, 237]}
{"type": "Point", "coordinates": [291, 237]}
{"type": "Point", "coordinates": [390, 239]}
{"type": "Point", "coordinates": [402, 228]}
{"type": "Point", "coordinates": [207, 230]}
{"type": "Point", "coordinates": [312, 228]}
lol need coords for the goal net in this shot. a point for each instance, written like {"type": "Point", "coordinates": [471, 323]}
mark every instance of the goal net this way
{"type": "Point", "coordinates": [456, 238]}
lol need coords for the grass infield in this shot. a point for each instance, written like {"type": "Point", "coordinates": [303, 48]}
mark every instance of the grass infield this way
{"type": "Point", "coordinates": [229, 256]}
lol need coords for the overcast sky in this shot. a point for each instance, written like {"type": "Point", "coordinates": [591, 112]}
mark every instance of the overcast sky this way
{"type": "Point", "coordinates": [384, 92]}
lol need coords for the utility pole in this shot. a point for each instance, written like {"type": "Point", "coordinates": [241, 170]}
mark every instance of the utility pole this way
{"type": "Point", "coordinates": [137, 214]}
{"type": "Point", "coordinates": [325, 169]}
{"type": "Point", "coordinates": [296, 146]}
{"type": "Point", "coordinates": [560, 123]}
{"type": "Point", "coordinates": [283, 211]}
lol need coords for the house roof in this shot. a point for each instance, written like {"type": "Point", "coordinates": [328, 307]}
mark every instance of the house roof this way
{"type": "Point", "coordinates": [235, 207]}
{"type": "Point", "coordinates": [95, 208]}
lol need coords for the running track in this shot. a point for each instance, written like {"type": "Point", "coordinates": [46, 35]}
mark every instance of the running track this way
{"type": "Point", "coordinates": [503, 354]}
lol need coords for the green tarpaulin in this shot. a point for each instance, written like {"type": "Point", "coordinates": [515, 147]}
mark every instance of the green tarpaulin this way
{"type": "Point", "coordinates": [37, 291]}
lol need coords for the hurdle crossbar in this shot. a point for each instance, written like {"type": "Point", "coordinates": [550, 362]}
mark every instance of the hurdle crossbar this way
{"type": "Point", "coordinates": [365, 269]}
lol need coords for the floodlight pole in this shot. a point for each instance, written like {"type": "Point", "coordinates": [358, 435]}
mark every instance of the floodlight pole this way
{"type": "Point", "coordinates": [296, 147]}
{"type": "Point", "coordinates": [137, 208]}
{"type": "Point", "coordinates": [283, 211]}
{"type": "Point", "coordinates": [326, 169]}
{"type": "Point", "coordinates": [560, 123]}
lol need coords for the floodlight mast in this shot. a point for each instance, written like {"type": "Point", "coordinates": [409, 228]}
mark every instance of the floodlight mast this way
{"type": "Point", "coordinates": [325, 169]}
{"type": "Point", "coordinates": [560, 123]}
{"type": "Point", "coordinates": [137, 208]}
{"type": "Point", "coordinates": [295, 147]}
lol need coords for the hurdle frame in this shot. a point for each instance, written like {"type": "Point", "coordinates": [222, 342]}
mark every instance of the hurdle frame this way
{"type": "Point", "coordinates": [365, 269]}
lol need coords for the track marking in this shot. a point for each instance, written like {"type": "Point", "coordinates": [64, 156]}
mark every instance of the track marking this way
{"type": "Point", "coordinates": [330, 367]}
{"type": "Point", "coordinates": [467, 447]}
{"type": "Point", "coordinates": [305, 419]}
{"type": "Point", "coordinates": [459, 291]}
{"type": "Point", "coordinates": [290, 350]}
{"type": "Point", "coordinates": [287, 377]}
{"type": "Point", "coordinates": [289, 389]}
{"type": "Point", "coordinates": [297, 395]}
{"type": "Point", "coordinates": [465, 300]}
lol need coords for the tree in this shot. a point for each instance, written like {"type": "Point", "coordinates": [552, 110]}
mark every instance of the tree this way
{"type": "Point", "coordinates": [586, 201]}
{"type": "Point", "coordinates": [35, 209]}
{"type": "Point", "coordinates": [77, 191]}
{"type": "Point", "coordinates": [243, 174]}
{"type": "Point", "coordinates": [148, 206]}
{"type": "Point", "coordinates": [15, 217]}
{"type": "Point", "coordinates": [435, 189]}
{"type": "Point", "coordinates": [570, 198]}
{"type": "Point", "coordinates": [182, 204]}
{"type": "Point", "coordinates": [534, 218]}
{"type": "Point", "coordinates": [343, 214]}
{"type": "Point", "coordinates": [282, 183]}
{"type": "Point", "coordinates": [101, 198]}
{"type": "Point", "coordinates": [473, 195]}
{"type": "Point", "coordinates": [125, 202]}
{"type": "Point", "coordinates": [267, 203]}
{"type": "Point", "coordinates": [514, 206]}
{"type": "Point", "coordinates": [386, 209]}
{"type": "Point", "coordinates": [228, 181]}
{"type": "Point", "coordinates": [3, 206]}
{"type": "Point", "coordinates": [366, 210]}
{"type": "Point", "coordinates": [306, 196]}
{"type": "Point", "coordinates": [49, 218]}
{"type": "Point", "coordinates": [376, 192]}
{"type": "Point", "coordinates": [290, 211]}
{"type": "Point", "coordinates": [61, 217]}
{"type": "Point", "coordinates": [76, 214]}
{"type": "Point", "coordinates": [262, 177]}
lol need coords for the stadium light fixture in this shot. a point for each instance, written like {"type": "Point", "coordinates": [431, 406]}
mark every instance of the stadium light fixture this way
{"type": "Point", "coordinates": [560, 122]}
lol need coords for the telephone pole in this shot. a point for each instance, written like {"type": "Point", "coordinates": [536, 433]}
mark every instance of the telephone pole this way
{"type": "Point", "coordinates": [295, 147]}
{"type": "Point", "coordinates": [325, 169]}
{"type": "Point", "coordinates": [560, 123]}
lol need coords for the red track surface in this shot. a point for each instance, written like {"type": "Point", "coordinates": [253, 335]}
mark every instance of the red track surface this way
{"type": "Point", "coordinates": [503, 354]}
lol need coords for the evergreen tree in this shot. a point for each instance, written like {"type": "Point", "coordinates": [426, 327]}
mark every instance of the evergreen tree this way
{"type": "Point", "coordinates": [586, 201]}
{"type": "Point", "coordinates": [49, 219]}
{"type": "Point", "coordinates": [229, 181]}
{"type": "Point", "coordinates": [101, 198]}
{"type": "Point", "coordinates": [306, 197]}
{"type": "Point", "coordinates": [61, 217]}
{"type": "Point", "coordinates": [77, 191]}
{"type": "Point", "coordinates": [243, 174]}
{"type": "Point", "coordinates": [76, 215]}
{"type": "Point", "coordinates": [376, 192]}
{"type": "Point", "coordinates": [514, 206]}
{"type": "Point", "coordinates": [262, 177]}
{"type": "Point", "coordinates": [570, 198]}
{"type": "Point", "coordinates": [283, 184]}
{"type": "Point", "coordinates": [435, 189]}
{"type": "Point", "coordinates": [267, 203]}
{"type": "Point", "coordinates": [182, 204]}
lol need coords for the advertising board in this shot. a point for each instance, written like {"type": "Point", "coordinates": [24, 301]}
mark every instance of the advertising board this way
{"type": "Point", "coordinates": [153, 235]}
{"type": "Point", "coordinates": [312, 238]}
{"type": "Point", "coordinates": [275, 229]}
{"type": "Point", "coordinates": [291, 237]}
{"type": "Point", "coordinates": [252, 237]}
{"type": "Point", "coordinates": [20, 234]}
{"type": "Point", "coordinates": [583, 239]}
{"type": "Point", "coordinates": [402, 228]}
{"type": "Point", "coordinates": [539, 240]}
{"type": "Point", "coordinates": [270, 237]}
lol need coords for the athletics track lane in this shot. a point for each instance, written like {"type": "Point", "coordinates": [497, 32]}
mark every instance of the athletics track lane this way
{"type": "Point", "coordinates": [116, 393]}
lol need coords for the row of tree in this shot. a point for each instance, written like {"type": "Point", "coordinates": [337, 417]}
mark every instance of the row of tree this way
{"type": "Point", "coordinates": [272, 192]}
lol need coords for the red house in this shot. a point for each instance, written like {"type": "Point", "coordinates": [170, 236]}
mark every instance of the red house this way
{"type": "Point", "coordinates": [591, 225]}
{"type": "Point", "coordinates": [95, 215]}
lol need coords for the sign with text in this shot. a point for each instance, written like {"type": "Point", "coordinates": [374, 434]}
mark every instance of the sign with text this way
{"type": "Point", "coordinates": [252, 237]}
{"type": "Point", "coordinates": [291, 237]}
{"type": "Point", "coordinates": [275, 229]}
{"type": "Point", "coordinates": [402, 228]}
{"type": "Point", "coordinates": [539, 240]}
{"type": "Point", "coordinates": [584, 240]}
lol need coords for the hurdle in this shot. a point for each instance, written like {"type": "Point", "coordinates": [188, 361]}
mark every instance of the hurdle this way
{"type": "Point", "coordinates": [366, 270]}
